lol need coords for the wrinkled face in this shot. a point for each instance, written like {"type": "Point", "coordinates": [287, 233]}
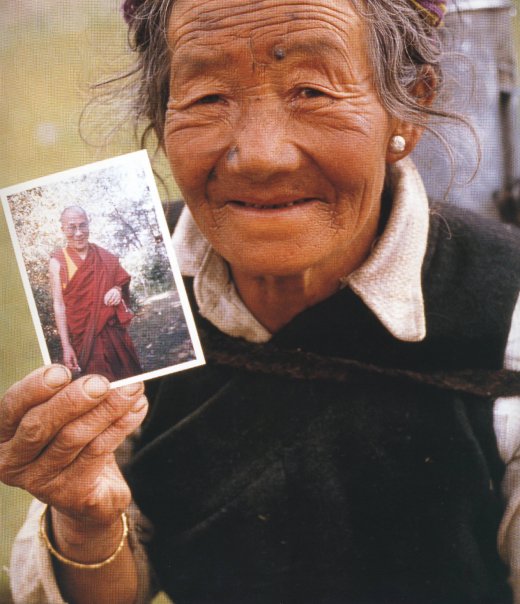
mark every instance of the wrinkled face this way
{"type": "Point", "coordinates": [274, 130]}
{"type": "Point", "coordinates": [75, 227]}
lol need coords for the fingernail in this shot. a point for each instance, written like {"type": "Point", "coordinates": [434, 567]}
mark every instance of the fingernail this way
{"type": "Point", "coordinates": [96, 386]}
{"type": "Point", "coordinates": [56, 376]}
{"type": "Point", "coordinates": [141, 404]}
{"type": "Point", "coordinates": [131, 389]}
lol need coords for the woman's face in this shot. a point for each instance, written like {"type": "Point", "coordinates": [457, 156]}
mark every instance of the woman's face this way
{"type": "Point", "coordinates": [274, 130]}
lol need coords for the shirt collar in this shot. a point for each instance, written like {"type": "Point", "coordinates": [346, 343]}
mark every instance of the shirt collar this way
{"type": "Point", "coordinates": [389, 282]}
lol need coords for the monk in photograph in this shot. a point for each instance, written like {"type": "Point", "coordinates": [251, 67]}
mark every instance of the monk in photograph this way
{"type": "Point", "coordinates": [90, 291]}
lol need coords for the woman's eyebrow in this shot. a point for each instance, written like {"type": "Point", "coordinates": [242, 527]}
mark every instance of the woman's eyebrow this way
{"type": "Point", "coordinates": [313, 47]}
{"type": "Point", "coordinates": [193, 64]}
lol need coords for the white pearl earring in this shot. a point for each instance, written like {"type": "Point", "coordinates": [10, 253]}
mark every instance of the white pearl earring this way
{"type": "Point", "coordinates": [397, 144]}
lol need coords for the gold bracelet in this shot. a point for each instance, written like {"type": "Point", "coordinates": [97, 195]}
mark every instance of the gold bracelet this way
{"type": "Point", "coordinates": [81, 565]}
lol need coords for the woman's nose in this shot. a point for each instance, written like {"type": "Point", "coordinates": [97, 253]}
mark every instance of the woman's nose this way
{"type": "Point", "coordinates": [263, 146]}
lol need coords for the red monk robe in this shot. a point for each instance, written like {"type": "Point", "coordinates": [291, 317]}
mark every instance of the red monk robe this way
{"type": "Point", "coordinates": [97, 332]}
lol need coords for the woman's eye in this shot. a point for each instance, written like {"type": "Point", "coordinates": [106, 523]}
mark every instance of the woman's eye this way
{"type": "Point", "coordinates": [209, 99]}
{"type": "Point", "coordinates": [310, 93]}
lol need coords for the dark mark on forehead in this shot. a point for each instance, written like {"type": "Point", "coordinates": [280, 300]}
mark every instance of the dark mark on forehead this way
{"type": "Point", "coordinates": [279, 53]}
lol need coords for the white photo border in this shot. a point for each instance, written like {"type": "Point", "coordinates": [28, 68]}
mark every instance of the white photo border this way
{"type": "Point", "coordinates": [143, 158]}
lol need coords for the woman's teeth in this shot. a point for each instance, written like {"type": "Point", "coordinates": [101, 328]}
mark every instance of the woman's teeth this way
{"type": "Point", "coordinates": [275, 206]}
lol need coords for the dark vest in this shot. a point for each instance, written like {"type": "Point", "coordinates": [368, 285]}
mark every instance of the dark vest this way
{"type": "Point", "coordinates": [274, 490]}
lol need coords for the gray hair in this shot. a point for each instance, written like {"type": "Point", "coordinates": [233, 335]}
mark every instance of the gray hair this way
{"type": "Point", "coordinates": [404, 50]}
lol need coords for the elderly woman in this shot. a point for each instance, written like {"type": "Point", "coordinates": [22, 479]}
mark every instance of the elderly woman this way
{"type": "Point", "coordinates": [331, 450]}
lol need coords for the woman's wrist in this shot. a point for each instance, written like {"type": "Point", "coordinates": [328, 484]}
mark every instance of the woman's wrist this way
{"type": "Point", "coordinates": [82, 540]}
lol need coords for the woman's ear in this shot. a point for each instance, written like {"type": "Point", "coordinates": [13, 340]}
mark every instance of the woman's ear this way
{"type": "Point", "coordinates": [406, 135]}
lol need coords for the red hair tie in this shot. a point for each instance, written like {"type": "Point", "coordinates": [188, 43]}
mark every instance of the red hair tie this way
{"type": "Point", "coordinates": [432, 10]}
{"type": "Point", "coordinates": [128, 9]}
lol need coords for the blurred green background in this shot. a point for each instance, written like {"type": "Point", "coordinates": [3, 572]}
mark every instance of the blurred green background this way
{"type": "Point", "coordinates": [50, 51]}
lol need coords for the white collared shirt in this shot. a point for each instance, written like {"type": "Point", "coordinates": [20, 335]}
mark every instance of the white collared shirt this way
{"type": "Point", "coordinates": [389, 283]}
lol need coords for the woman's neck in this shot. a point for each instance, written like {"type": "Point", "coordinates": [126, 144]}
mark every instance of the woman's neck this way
{"type": "Point", "coordinates": [275, 300]}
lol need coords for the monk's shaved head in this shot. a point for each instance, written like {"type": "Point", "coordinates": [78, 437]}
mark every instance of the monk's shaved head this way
{"type": "Point", "coordinates": [71, 211]}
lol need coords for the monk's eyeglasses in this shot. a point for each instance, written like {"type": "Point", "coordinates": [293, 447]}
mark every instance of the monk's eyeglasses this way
{"type": "Point", "coordinates": [71, 230]}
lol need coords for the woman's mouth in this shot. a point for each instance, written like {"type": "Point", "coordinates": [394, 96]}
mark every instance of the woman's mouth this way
{"type": "Point", "coordinates": [272, 205]}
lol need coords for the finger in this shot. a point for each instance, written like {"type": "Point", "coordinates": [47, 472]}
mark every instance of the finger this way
{"type": "Point", "coordinates": [41, 423]}
{"type": "Point", "coordinates": [77, 434]}
{"type": "Point", "coordinates": [109, 440]}
{"type": "Point", "coordinates": [97, 459]}
{"type": "Point", "coordinates": [34, 389]}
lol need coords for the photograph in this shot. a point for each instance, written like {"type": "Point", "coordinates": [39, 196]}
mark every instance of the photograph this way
{"type": "Point", "coordinates": [99, 271]}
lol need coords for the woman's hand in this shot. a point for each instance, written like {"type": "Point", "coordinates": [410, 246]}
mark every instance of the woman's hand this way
{"type": "Point", "coordinates": [57, 440]}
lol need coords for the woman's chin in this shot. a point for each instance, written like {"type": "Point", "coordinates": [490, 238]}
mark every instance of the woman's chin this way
{"type": "Point", "coordinates": [271, 230]}
{"type": "Point", "coordinates": [277, 259]}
